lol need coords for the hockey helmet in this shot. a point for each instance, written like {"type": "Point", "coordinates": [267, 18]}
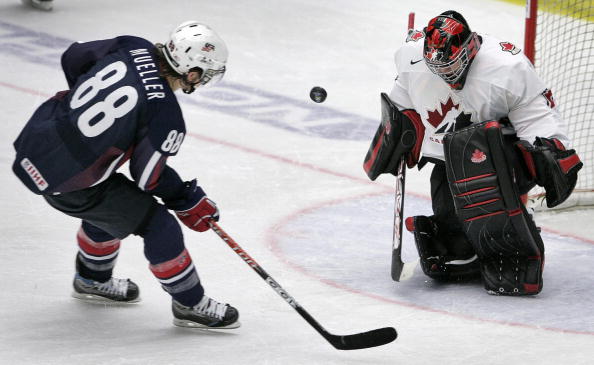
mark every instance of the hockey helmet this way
{"type": "Point", "coordinates": [450, 47]}
{"type": "Point", "coordinates": [193, 45]}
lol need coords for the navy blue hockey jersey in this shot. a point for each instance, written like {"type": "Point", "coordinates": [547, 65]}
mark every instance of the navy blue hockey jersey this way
{"type": "Point", "coordinates": [118, 108]}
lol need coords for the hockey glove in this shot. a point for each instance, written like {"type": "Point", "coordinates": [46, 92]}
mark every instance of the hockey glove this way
{"type": "Point", "coordinates": [194, 208]}
{"type": "Point", "coordinates": [399, 135]}
{"type": "Point", "coordinates": [552, 166]}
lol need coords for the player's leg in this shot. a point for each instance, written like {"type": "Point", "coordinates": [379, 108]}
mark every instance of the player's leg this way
{"type": "Point", "coordinates": [445, 253]}
{"type": "Point", "coordinates": [96, 258]}
{"type": "Point", "coordinates": [172, 265]}
{"type": "Point", "coordinates": [110, 211]}
{"type": "Point", "coordinates": [483, 177]}
{"type": "Point", "coordinates": [117, 208]}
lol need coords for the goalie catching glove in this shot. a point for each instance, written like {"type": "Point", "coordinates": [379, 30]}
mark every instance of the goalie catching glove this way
{"type": "Point", "coordinates": [194, 208]}
{"type": "Point", "coordinates": [552, 166]}
{"type": "Point", "coordinates": [399, 135]}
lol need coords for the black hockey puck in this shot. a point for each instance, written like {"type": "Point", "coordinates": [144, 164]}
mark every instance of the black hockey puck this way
{"type": "Point", "coordinates": [318, 94]}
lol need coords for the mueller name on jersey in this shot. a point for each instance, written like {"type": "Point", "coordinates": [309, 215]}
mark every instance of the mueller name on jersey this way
{"type": "Point", "coordinates": [149, 73]}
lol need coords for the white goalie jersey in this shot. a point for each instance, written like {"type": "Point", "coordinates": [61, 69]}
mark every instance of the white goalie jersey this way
{"type": "Point", "coordinates": [501, 83]}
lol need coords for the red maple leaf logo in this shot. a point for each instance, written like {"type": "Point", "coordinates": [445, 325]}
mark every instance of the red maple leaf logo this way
{"type": "Point", "coordinates": [436, 117]}
{"type": "Point", "coordinates": [414, 35]}
{"type": "Point", "coordinates": [548, 94]}
{"type": "Point", "coordinates": [452, 27]}
{"type": "Point", "coordinates": [478, 156]}
{"type": "Point", "coordinates": [509, 47]}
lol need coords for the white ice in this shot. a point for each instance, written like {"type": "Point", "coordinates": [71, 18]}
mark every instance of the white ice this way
{"type": "Point", "coordinates": [287, 175]}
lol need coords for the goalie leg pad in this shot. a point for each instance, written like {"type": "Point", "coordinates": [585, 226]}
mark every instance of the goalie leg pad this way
{"type": "Point", "coordinates": [399, 134]}
{"type": "Point", "coordinates": [487, 202]}
{"type": "Point", "coordinates": [444, 255]}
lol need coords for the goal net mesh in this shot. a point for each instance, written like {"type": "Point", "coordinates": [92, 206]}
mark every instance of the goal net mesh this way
{"type": "Point", "coordinates": [564, 59]}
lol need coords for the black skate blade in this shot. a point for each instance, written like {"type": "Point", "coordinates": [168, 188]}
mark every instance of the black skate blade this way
{"type": "Point", "coordinates": [377, 337]}
{"type": "Point", "coordinates": [97, 299]}
{"type": "Point", "coordinates": [191, 324]}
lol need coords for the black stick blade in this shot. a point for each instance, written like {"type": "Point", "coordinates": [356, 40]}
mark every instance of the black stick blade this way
{"type": "Point", "coordinates": [378, 337]}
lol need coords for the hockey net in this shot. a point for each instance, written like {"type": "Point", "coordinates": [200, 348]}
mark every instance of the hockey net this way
{"type": "Point", "coordinates": [559, 40]}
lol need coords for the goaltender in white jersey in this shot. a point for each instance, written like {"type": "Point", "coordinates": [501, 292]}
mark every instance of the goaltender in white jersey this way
{"type": "Point", "coordinates": [474, 107]}
{"type": "Point", "coordinates": [501, 83]}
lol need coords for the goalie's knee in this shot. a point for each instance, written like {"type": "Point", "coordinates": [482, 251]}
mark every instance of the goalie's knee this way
{"type": "Point", "coordinates": [444, 255]}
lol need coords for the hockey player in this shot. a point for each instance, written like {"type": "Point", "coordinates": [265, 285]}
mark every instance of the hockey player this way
{"type": "Point", "coordinates": [121, 107]}
{"type": "Point", "coordinates": [474, 107]}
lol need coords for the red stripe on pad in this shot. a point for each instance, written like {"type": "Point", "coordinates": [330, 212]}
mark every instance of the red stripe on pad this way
{"type": "Point", "coordinates": [476, 191]}
{"type": "Point", "coordinates": [531, 288]}
{"type": "Point", "coordinates": [481, 203]}
{"type": "Point", "coordinates": [511, 213]}
{"type": "Point", "coordinates": [369, 163]}
{"type": "Point", "coordinates": [484, 216]}
{"type": "Point", "coordinates": [172, 267]}
{"type": "Point", "coordinates": [475, 177]}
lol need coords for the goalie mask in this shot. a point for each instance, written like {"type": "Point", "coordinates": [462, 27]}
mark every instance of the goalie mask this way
{"type": "Point", "coordinates": [450, 47]}
{"type": "Point", "coordinates": [193, 46]}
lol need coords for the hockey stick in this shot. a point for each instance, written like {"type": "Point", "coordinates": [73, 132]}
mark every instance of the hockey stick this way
{"type": "Point", "coordinates": [377, 337]}
{"type": "Point", "coordinates": [401, 270]}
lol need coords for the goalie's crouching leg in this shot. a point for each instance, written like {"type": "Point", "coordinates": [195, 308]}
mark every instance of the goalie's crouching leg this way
{"type": "Point", "coordinates": [483, 180]}
{"type": "Point", "coordinates": [444, 255]}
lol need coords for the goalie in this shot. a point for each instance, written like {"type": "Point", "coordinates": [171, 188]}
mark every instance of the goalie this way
{"type": "Point", "coordinates": [479, 113]}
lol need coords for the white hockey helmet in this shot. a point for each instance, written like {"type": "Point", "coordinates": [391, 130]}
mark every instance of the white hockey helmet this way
{"type": "Point", "coordinates": [195, 45]}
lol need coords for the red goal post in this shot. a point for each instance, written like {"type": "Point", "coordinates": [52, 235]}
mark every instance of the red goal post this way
{"type": "Point", "coordinates": [559, 40]}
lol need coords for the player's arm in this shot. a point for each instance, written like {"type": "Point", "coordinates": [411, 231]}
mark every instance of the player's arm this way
{"type": "Point", "coordinates": [400, 133]}
{"type": "Point", "coordinates": [148, 167]}
{"type": "Point", "coordinates": [80, 57]}
{"type": "Point", "coordinates": [543, 137]}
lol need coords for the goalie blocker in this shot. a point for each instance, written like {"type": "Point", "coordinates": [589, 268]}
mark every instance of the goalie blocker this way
{"type": "Point", "coordinates": [399, 135]}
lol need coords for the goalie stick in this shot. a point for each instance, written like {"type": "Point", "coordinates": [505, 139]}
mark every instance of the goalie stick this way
{"type": "Point", "coordinates": [377, 337]}
{"type": "Point", "coordinates": [401, 270]}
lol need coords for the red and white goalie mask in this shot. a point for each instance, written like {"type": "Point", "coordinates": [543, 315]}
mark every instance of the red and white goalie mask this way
{"type": "Point", "coordinates": [450, 47]}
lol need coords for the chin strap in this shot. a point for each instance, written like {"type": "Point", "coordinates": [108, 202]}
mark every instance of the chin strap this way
{"type": "Point", "coordinates": [187, 82]}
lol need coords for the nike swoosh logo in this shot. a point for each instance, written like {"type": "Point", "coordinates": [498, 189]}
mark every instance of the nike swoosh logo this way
{"type": "Point", "coordinates": [413, 62]}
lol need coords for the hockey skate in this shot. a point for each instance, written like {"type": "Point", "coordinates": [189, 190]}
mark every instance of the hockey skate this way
{"type": "Point", "coordinates": [112, 291]}
{"type": "Point", "coordinates": [46, 5]}
{"type": "Point", "coordinates": [207, 314]}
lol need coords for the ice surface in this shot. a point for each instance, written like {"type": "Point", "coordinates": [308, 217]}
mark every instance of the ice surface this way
{"type": "Point", "coordinates": [287, 176]}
